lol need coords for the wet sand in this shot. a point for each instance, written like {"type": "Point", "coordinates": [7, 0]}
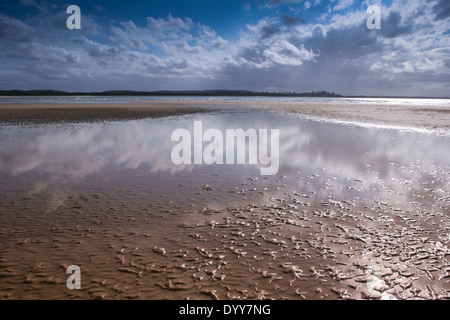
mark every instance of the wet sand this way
{"type": "Point", "coordinates": [53, 113]}
{"type": "Point", "coordinates": [368, 219]}
{"type": "Point", "coordinates": [415, 115]}
{"type": "Point", "coordinates": [259, 240]}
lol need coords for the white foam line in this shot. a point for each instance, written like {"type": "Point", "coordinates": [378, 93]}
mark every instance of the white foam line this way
{"type": "Point", "coordinates": [398, 127]}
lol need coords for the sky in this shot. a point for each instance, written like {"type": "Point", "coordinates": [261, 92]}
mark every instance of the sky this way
{"type": "Point", "coordinates": [258, 45]}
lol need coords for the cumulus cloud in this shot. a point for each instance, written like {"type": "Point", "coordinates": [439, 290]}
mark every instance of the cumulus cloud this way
{"type": "Point", "coordinates": [342, 4]}
{"type": "Point", "coordinates": [335, 52]}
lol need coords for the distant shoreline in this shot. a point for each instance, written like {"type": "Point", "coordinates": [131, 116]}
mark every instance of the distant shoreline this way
{"type": "Point", "coordinates": [195, 93]}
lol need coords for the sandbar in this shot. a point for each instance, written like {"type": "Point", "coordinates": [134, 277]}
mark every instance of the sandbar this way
{"type": "Point", "coordinates": [436, 116]}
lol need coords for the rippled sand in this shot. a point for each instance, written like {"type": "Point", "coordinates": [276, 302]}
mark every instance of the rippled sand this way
{"type": "Point", "coordinates": [273, 243]}
{"type": "Point", "coordinates": [224, 232]}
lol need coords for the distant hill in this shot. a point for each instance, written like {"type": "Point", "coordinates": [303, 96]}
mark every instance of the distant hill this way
{"type": "Point", "coordinates": [221, 93]}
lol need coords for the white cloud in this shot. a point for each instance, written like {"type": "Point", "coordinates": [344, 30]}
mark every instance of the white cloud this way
{"type": "Point", "coordinates": [286, 53]}
{"type": "Point", "coordinates": [343, 4]}
{"type": "Point", "coordinates": [179, 53]}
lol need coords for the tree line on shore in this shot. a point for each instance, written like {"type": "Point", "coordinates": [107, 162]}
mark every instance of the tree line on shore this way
{"type": "Point", "coordinates": [234, 93]}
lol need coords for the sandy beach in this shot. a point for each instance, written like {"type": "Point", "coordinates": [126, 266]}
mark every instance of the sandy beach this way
{"type": "Point", "coordinates": [415, 115]}
{"type": "Point", "coordinates": [225, 150]}
{"type": "Point", "coordinates": [354, 212]}
{"type": "Point", "coordinates": [391, 114]}
{"type": "Point", "coordinates": [48, 113]}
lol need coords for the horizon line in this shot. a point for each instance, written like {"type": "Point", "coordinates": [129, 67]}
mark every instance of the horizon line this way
{"type": "Point", "coordinates": [206, 92]}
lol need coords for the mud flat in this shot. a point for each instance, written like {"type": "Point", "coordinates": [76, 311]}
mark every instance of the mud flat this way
{"type": "Point", "coordinates": [417, 113]}
{"type": "Point", "coordinates": [70, 112]}
{"type": "Point", "coordinates": [428, 114]}
{"type": "Point", "coordinates": [353, 213]}
{"type": "Point", "coordinates": [272, 243]}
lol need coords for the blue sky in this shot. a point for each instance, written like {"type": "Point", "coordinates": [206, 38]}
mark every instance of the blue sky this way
{"type": "Point", "coordinates": [261, 45]}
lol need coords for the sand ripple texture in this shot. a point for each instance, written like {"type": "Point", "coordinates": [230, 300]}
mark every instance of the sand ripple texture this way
{"type": "Point", "coordinates": [268, 242]}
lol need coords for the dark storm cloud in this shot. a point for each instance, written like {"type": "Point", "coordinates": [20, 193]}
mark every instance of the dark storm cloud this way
{"type": "Point", "coordinates": [442, 9]}
{"type": "Point", "coordinates": [14, 30]}
{"type": "Point", "coordinates": [269, 30]}
{"type": "Point", "coordinates": [288, 20]}
{"type": "Point", "coordinates": [96, 50]}
{"type": "Point", "coordinates": [392, 26]}
{"type": "Point", "coordinates": [351, 42]}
